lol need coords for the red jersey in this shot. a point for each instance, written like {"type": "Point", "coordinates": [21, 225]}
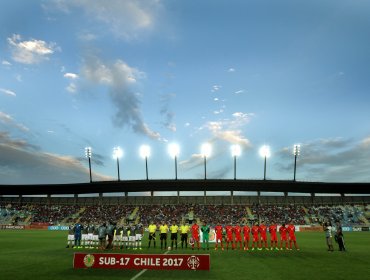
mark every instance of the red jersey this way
{"type": "Point", "coordinates": [229, 230]}
{"type": "Point", "coordinates": [195, 230]}
{"type": "Point", "coordinates": [218, 230]}
{"type": "Point", "coordinates": [291, 229]}
{"type": "Point", "coordinates": [246, 231]}
{"type": "Point", "coordinates": [283, 231]}
{"type": "Point", "coordinates": [255, 230]}
{"type": "Point", "coordinates": [263, 230]}
{"type": "Point", "coordinates": [272, 230]}
{"type": "Point", "coordinates": [238, 232]}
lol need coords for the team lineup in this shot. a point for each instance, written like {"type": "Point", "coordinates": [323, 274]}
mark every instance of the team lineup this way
{"type": "Point", "coordinates": [124, 237]}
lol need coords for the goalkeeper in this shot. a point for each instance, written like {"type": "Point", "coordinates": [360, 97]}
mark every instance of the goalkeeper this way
{"type": "Point", "coordinates": [205, 231]}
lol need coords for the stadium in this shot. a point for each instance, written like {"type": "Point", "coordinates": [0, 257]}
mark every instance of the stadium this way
{"type": "Point", "coordinates": [35, 222]}
{"type": "Point", "coordinates": [161, 139]}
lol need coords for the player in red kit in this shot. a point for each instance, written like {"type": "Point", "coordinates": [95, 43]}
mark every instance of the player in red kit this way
{"type": "Point", "coordinates": [246, 231]}
{"type": "Point", "coordinates": [218, 230]}
{"type": "Point", "coordinates": [283, 237]}
{"type": "Point", "coordinates": [229, 236]}
{"type": "Point", "coordinates": [195, 235]}
{"type": "Point", "coordinates": [291, 231]}
{"type": "Point", "coordinates": [238, 236]}
{"type": "Point", "coordinates": [273, 236]}
{"type": "Point", "coordinates": [263, 232]}
{"type": "Point", "coordinates": [255, 241]}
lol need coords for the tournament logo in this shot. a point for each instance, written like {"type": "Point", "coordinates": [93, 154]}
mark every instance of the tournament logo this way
{"type": "Point", "coordinates": [89, 260]}
{"type": "Point", "coordinates": [193, 262]}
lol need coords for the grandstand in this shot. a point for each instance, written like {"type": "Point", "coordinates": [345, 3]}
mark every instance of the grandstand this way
{"type": "Point", "coordinates": [302, 203]}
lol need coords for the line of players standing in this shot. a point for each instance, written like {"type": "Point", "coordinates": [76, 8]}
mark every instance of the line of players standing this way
{"type": "Point", "coordinates": [106, 236]}
{"type": "Point", "coordinates": [111, 236]}
{"type": "Point", "coordinates": [258, 232]}
{"type": "Point", "coordinates": [232, 235]}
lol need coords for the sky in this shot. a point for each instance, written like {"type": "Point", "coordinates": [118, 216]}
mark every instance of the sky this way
{"type": "Point", "coordinates": [102, 74]}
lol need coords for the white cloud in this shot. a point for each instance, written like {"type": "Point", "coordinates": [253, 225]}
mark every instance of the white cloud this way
{"type": "Point", "coordinates": [32, 51]}
{"type": "Point", "coordinates": [229, 130]}
{"type": "Point", "coordinates": [123, 18]}
{"type": "Point", "coordinates": [8, 92]}
{"type": "Point", "coordinates": [5, 62]}
{"type": "Point", "coordinates": [216, 88]}
{"type": "Point", "coordinates": [239, 91]}
{"type": "Point", "coordinates": [72, 76]}
{"type": "Point", "coordinates": [18, 77]}
{"type": "Point", "coordinates": [231, 70]}
{"type": "Point", "coordinates": [7, 119]}
{"type": "Point", "coordinates": [72, 88]}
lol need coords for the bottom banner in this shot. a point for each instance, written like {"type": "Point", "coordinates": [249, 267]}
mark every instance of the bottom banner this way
{"type": "Point", "coordinates": [142, 261]}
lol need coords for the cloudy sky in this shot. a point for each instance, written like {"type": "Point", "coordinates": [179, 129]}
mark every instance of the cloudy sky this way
{"type": "Point", "coordinates": [127, 73]}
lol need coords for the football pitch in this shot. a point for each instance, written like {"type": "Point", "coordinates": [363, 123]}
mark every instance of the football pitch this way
{"type": "Point", "coordinates": [42, 255]}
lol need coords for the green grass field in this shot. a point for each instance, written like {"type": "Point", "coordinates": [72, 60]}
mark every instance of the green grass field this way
{"type": "Point", "coordinates": [42, 255]}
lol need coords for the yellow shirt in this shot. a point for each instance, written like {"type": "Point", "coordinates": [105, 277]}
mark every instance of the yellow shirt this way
{"type": "Point", "coordinates": [184, 229]}
{"type": "Point", "coordinates": [152, 228]}
{"type": "Point", "coordinates": [174, 229]}
{"type": "Point", "coordinates": [163, 228]}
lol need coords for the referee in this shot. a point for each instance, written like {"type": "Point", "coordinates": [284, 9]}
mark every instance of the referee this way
{"type": "Point", "coordinates": [184, 229]}
{"type": "Point", "coordinates": [163, 230]}
{"type": "Point", "coordinates": [174, 229]}
{"type": "Point", "coordinates": [152, 229]}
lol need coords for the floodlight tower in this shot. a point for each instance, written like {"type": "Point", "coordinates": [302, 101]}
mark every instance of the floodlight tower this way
{"type": "Point", "coordinates": [265, 152]}
{"type": "Point", "coordinates": [145, 153]}
{"type": "Point", "coordinates": [174, 150]}
{"type": "Point", "coordinates": [117, 154]}
{"type": "Point", "coordinates": [88, 153]}
{"type": "Point", "coordinates": [296, 152]}
{"type": "Point", "coordinates": [206, 150]}
{"type": "Point", "coordinates": [235, 152]}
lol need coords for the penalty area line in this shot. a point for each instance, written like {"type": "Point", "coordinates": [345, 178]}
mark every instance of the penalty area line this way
{"type": "Point", "coordinates": [144, 270]}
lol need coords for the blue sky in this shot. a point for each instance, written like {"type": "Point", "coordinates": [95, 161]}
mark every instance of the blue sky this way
{"type": "Point", "coordinates": [127, 73]}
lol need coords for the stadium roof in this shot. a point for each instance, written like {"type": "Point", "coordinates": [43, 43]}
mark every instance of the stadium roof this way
{"type": "Point", "coordinates": [187, 185]}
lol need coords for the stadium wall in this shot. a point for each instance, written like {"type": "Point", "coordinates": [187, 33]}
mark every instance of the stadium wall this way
{"type": "Point", "coordinates": [209, 200]}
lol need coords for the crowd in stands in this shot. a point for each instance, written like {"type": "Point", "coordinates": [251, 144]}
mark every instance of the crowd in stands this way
{"type": "Point", "coordinates": [159, 213]}
{"type": "Point", "coordinates": [212, 214]}
{"type": "Point", "coordinates": [98, 214]}
{"type": "Point", "coordinates": [279, 214]}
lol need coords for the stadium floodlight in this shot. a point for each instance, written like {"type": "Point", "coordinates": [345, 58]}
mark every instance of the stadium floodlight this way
{"type": "Point", "coordinates": [296, 152]}
{"type": "Point", "coordinates": [117, 154]}
{"type": "Point", "coordinates": [174, 150]}
{"type": "Point", "coordinates": [145, 153]}
{"type": "Point", "coordinates": [88, 154]}
{"type": "Point", "coordinates": [206, 150]}
{"type": "Point", "coordinates": [265, 153]}
{"type": "Point", "coordinates": [235, 152]}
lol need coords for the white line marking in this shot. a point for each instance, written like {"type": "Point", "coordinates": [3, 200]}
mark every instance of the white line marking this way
{"type": "Point", "coordinates": [144, 270]}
